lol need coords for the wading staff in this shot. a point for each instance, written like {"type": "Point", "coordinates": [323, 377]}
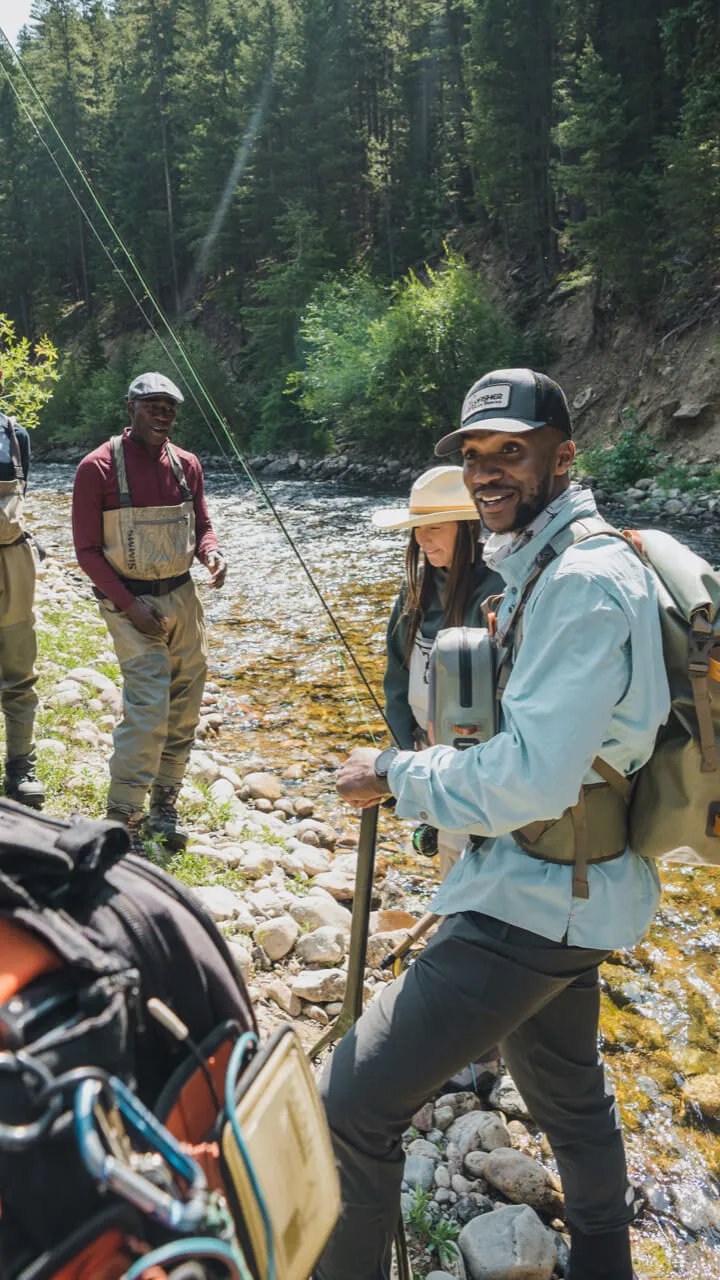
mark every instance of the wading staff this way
{"type": "Point", "coordinates": [353, 999]}
{"type": "Point", "coordinates": [360, 928]}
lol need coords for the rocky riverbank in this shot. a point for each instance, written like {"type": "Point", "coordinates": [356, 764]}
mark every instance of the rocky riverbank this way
{"type": "Point", "coordinates": [649, 500]}
{"type": "Point", "coordinates": [276, 706]}
{"type": "Point", "coordinates": [279, 881]}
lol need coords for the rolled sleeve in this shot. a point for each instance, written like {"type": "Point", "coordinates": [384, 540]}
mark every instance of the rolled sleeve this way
{"type": "Point", "coordinates": [572, 668]}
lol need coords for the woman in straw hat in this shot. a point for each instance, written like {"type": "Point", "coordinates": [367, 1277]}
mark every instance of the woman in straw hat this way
{"type": "Point", "coordinates": [446, 581]}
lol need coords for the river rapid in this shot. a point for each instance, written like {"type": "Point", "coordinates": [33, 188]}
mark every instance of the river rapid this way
{"type": "Point", "coordinates": [291, 697]}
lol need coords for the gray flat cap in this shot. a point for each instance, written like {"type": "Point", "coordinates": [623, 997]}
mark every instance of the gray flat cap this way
{"type": "Point", "coordinates": [154, 384]}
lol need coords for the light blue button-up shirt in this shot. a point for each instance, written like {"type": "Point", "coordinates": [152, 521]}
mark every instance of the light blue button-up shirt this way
{"type": "Point", "coordinates": [588, 680]}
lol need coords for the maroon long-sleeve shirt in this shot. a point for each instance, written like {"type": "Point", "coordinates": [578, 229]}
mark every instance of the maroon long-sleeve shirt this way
{"type": "Point", "coordinates": [152, 484]}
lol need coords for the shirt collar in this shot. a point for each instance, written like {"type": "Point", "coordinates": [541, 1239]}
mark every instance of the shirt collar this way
{"type": "Point", "coordinates": [573, 504]}
{"type": "Point", "coordinates": [140, 450]}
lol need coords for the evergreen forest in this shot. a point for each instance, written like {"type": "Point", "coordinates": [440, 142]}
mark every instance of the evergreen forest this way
{"type": "Point", "coordinates": [308, 188]}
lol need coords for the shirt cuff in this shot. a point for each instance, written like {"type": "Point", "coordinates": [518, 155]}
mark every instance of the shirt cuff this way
{"type": "Point", "coordinates": [398, 768]}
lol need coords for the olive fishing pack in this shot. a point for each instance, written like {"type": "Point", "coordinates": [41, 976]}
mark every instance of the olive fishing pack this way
{"type": "Point", "coordinates": [670, 809]}
{"type": "Point", "coordinates": [141, 1125]}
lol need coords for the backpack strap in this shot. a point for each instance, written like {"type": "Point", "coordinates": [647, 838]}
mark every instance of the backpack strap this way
{"type": "Point", "coordinates": [576, 532]}
{"type": "Point", "coordinates": [701, 639]}
{"type": "Point", "coordinates": [10, 425]}
{"type": "Point", "coordinates": [118, 456]}
{"type": "Point", "coordinates": [178, 473]}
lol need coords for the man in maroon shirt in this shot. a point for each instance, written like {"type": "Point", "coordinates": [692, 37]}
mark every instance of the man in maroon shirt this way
{"type": "Point", "coordinates": [139, 520]}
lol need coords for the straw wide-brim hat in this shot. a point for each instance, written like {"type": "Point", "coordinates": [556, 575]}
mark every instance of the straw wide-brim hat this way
{"type": "Point", "coordinates": [436, 497]}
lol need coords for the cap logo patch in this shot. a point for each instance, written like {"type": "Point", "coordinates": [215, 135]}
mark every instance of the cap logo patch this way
{"type": "Point", "coordinates": [496, 396]}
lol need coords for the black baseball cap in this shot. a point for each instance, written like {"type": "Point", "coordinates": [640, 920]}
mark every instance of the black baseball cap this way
{"type": "Point", "coordinates": [511, 400]}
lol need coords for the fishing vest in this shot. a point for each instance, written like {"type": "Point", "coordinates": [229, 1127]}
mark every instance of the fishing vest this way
{"type": "Point", "coordinates": [12, 493]}
{"type": "Point", "coordinates": [149, 543]}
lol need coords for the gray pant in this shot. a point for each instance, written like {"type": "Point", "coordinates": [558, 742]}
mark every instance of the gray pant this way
{"type": "Point", "coordinates": [479, 982]}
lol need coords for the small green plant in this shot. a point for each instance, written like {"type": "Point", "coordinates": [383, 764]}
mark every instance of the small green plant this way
{"type": "Point", "coordinates": [442, 1237]}
{"type": "Point", "coordinates": [418, 1218]}
{"type": "Point", "coordinates": [623, 459]}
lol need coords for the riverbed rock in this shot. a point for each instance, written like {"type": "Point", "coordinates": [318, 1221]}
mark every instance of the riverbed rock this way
{"type": "Point", "coordinates": [263, 786]}
{"type": "Point", "coordinates": [222, 791]}
{"type": "Point", "coordinates": [380, 944]}
{"type": "Point", "coordinates": [312, 858]}
{"type": "Point", "coordinates": [317, 1013]}
{"type": "Point", "coordinates": [284, 998]}
{"type": "Point", "coordinates": [522, 1180]}
{"type": "Point", "coordinates": [326, 834]}
{"type": "Point", "coordinates": [67, 694]}
{"type": "Point", "coordinates": [703, 1092]}
{"type": "Point", "coordinates": [340, 879]}
{"type": "Point", "coordinates": [324, 946]}
{"type": "Point", "coordinates": [509, 1244]}
{"type": "Point", "coordinates": [316, 910]}
{"type": "Point", "coordinates": [222, 903]}
{"type": "Point", "coordinates": [419, 1173]}
{"type": "Point", "coordinates": [506, 1097]}
{"type": "Point", "coordinates": [203, 768]}
{"type": "Point", "coordinates": [258, 859]}
{"type": "Point", "coordinates": [303, 807]}
{"type": "Point", "coordinates": [277, 937]}
{"type": "Point", "coordinates": [320, 985]}
{"type": "Point", "coordinates": [242, 957]}
{"type": "Point", "coordinates": [51, 748]}
{"type": "Point", "coordinates": [478, 1129]}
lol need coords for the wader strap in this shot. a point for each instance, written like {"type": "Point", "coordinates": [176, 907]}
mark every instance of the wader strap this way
{"type": "Point", "coordinates": [701, 640]}
{"type": "Point", "coordinates": [118, 457]}
{"type": "Point", "coordinates": [15, 451]}
{"type": "Point", "coordinates": [580, 886]}
{"type": "Point", "coordinates": [118, 454]}
{"type": "Point", "coordinates": [178, 473]}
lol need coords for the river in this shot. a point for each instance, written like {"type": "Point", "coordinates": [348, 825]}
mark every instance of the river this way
{"type": "Point", "coordinates": [290, 695]}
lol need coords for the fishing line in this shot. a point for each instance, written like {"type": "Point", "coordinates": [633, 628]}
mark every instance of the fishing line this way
{"type": "Point", "coordinates": [256, 485]}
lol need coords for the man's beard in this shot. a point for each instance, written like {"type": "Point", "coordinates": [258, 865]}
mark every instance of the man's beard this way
{"type": "Point", "coordinates": [531, 508]}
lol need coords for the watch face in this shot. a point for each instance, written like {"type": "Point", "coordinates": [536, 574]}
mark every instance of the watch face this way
{"type": "Point", "coordinates": [383, 762]}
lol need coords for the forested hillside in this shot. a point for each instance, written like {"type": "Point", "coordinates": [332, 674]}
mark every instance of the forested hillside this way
{"type": "Point", "coordinates": [305, 185]}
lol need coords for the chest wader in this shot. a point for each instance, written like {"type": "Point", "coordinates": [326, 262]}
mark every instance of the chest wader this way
{"type": "Point", "coordinates": [18, 644]}
{"type": "Point", "coordinates": [151, 549]}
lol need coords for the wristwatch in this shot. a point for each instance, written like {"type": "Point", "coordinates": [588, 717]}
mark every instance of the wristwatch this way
{"type": "Point", "coordinates": [382, 765]}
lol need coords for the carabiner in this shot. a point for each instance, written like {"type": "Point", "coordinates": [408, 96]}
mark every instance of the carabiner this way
{"type": "Point", "coordinates": [184, 1215]}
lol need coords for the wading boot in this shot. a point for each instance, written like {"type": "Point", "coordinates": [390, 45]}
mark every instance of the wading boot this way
{"type": "Point", "coordinates": [603, 1256]}
{"type": "Point", "coordinates": [164, 821]}
{"type": "Point", "coordinates": [22, 783]}
{"type": "Point", "coordinates": [134, 820]}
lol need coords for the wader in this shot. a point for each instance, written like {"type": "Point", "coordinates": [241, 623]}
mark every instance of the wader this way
{"type": "Point", "coordinates": [152, 549]}
{"type": "Point", "coordinates": [450, 845]}
{"type": "Point", "coordinates": [18, 645]}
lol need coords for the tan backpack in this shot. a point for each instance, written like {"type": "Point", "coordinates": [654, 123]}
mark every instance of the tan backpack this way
{"type": "Point", "coordinates": [670, 809]}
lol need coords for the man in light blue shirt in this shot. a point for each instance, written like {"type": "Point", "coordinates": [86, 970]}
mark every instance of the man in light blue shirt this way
{"type": "Point", "coordinates": [516, 960]}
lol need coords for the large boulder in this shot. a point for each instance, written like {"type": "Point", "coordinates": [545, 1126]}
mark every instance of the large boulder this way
{"type": "Point", "coordinates": [509, 1244]}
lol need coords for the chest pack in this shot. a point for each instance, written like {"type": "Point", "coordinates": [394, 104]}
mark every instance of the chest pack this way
{"type": "Point", "coordinates": [670, 809]}
{"type": "Point", "coordinates": [140, 1124]}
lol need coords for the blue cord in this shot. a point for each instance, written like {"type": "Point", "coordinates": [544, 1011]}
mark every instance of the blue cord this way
{"type": "Point", "coordinates": [247, 1041]}
{"type": "Point", "coordinates": [195, 1247]}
